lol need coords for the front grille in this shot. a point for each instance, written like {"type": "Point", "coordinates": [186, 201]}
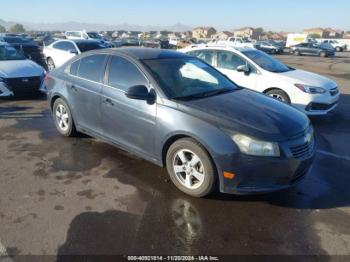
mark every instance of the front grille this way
{"type": "Point", "coordinates": [319, 106]}
{"type": "Point", "coordinates": [304, 150]}
{"type": "Point", "coordinates": [334, 91]}
{"type": "Point", "coordinates": [23, 83]}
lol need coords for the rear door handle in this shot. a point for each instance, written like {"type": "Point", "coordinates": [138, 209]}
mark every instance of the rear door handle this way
{"type": "Point", "coordinates": [73, 87]}
{"type": "Point", "coordinates": [108, 101]}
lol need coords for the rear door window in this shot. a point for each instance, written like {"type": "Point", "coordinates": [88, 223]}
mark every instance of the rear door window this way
{"type": "Point", "coordinates": [92, 67]}
{"type": "Point", "coordinates": [65, 46]}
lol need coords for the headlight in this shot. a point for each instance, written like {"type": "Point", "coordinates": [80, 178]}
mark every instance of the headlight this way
{"type": "Point", "coordinates": [251, 146]}
{"type": "Point", "coordinates": [311, 89]}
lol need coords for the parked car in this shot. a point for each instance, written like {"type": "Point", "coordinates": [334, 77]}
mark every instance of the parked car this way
{"type": "Point", "coordinates": [236, 42]}
{"type": "Point", "coordinates": [28, 48]}
{"type": "Point", "coordinates": [339, 47]}
{"type": "Point", "coordinates": [87, 35]}
{"type": "Point", "coordinates": [268, 47]}
{"type": "Point", "coordinates": [17, 73]}
{"type": "Point", "coordinates": [312, 49]}
{"type": "Point", "coordinates": [310, 93]}
{"type": "Point", "coordinates": [61, 51]}
{"type": "Point", "coordinates": [179, 112]}
{"type": "Point", "coordinates": [156, 43]}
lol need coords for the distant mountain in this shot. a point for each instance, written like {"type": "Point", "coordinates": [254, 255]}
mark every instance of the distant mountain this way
{"type": "Point", "coordinates": [72, 25]}
{"type": "Point", "coordinates": [6, 24]}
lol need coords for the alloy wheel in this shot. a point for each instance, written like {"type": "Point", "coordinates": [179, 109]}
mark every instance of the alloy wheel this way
{"type": "Point", "coordinates": [62, 117]}
{"type": "Point", "coordinates": [278, 97]}
{"type": "Point", "coordinates": [188, 169]}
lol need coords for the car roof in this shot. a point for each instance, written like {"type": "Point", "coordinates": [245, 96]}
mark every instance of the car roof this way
{"type": "Point", "coordinates": [77, 41]}
{"type": "Point", "coordinates": [217, 47]}
{"type": "Point", "coordinates": [142, 53]}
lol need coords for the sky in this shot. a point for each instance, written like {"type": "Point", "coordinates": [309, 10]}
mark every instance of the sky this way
{"type": "Point", "coordinates": [278, 15]}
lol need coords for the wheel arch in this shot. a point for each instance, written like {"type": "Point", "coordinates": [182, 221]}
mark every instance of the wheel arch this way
{"type": "Point", "coordinates": [277, 88]}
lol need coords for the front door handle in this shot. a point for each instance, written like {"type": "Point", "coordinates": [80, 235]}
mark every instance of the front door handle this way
{"type": "Point", "coordinates": [108, 101]}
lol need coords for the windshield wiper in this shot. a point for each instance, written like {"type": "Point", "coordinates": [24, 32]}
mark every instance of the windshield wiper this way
{"type": "Point", "coordinates": [205, 94]}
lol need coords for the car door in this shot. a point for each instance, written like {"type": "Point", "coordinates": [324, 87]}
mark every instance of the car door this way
{"type": "Point", "coordinates": [84, 87]}
{"type": "Point", "coordinates": [128, 122]}
{"type": "Point", "coordinates": [62, 52]}
{"type": "Point", "coordinates": [228, 62]}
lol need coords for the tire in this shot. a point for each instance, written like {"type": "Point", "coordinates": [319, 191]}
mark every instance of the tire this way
{"type": "Point", "coordinates": [63, 118]}
{"type": "Point", "coordinates": [279, 95]}
{"type": "Point", "coordinates": [323, 54]}
{"type": "Point", "coordinates": [202, 168]}
{"type": "Point", "coordinates": [338, 49]}
{"type": "Point", "coordinates": [50, 64]}
{"type": "Point", "coordinates": [296, 52]}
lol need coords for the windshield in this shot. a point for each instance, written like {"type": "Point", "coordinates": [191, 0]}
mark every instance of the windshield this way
{"type": "Point", "coordinates": [94, 35]}
{"type": "Point", "coordinates": [266, 62]}
{"type": "Point", "coordinates": [87, 46]}
{"type": "Point", "coordinates": [188, 78]}
{"type": "Point", "coordinates": [10, 53]}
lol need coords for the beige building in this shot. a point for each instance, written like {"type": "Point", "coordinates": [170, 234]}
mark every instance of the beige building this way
{"type": "Point", "coordinates": [325, 32]}
{"type": "Point", "coordinates": [317, 31]}
{"type": "Point", "coordinates": [248, 32]}
{"type": "Point", "coordinates": [224, 35]}
{"type": "Point", "coordinates": [203, 32]}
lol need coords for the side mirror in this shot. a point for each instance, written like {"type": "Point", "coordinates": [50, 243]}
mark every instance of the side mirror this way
{"type": "Point", "coordinates": [244, 68]}
{"type": "Point", "coordinates": [140, 92]}
{"type": "Point", "coordinates": [73, 52]}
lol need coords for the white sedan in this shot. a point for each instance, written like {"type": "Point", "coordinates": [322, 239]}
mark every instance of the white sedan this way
{"type": "Point", "coordinates": [61, 51]}
{"type": "Point", "coordinates": [17, 73]}
{"type": "Point", "coordinates": [310, 93]}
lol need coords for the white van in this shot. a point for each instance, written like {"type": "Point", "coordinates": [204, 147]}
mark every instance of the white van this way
{"type": "Point", "coordinates": [294, 39]}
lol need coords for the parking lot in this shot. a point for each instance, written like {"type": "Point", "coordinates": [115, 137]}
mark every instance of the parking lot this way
{"type": "Point", "coordinates": [82, 196]}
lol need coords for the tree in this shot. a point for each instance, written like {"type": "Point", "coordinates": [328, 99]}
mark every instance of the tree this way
{"type": "Point", "coordinates": [259, 30]}
{"type": "Point", "coordinates": [2, 29]}
{"type": "Point", "coordinates": [17, 28]}
{"type": "Point", "coordinates": [314, 35]}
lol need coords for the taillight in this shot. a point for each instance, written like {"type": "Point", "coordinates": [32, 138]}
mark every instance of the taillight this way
{"type": "Point", "coordinates": [47, 77]}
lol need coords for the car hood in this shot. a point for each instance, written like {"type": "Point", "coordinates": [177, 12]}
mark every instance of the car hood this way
{"type": "Point", "coordinates": [20, 68]}
{"type": "Point", "coordinates": [308, 78]}
{"type": "Point", "coordinates": [249, 113]}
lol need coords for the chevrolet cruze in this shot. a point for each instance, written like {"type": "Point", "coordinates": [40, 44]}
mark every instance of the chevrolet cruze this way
{"type": "Point", "coordinates": [180, 113]}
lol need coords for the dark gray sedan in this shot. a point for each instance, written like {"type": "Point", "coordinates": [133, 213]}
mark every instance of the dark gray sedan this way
{"type": "Point", "coordinates": [313, 49]}
{"type": "Point", "coordinates": [180, 113]}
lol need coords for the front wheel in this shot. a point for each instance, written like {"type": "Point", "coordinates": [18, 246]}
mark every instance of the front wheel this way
{"type": "Point", "coordinates": [63, 118]}
{"type": "Point", "coordinates": [323, 54]}
{"type": "Point", "coordinates": [296, 52]}
{"type": "Point", "coordinates": [279, 95]}
{"type": "Point", "coordinates": [191, 168]}
{"type": "Point", "coordinates": [338, 49]}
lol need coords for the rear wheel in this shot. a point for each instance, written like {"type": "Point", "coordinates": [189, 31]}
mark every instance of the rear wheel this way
{"type": "Point", "coordinates": [63, 118]}
{"type": "Point", "coordinates": [279, 95]}
{"type": "Point", "coordinates": [338, 49]}
{"type": "Point", "coordinates": [50, 64]}
{"type": "Point", "coordinates": [191, 168]}
{"type": "Point", "coordinates": [296, 52]}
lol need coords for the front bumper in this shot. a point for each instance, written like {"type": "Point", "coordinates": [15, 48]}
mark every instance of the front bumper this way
{"type": "Point", "coordinates": [255, 175]}
{"type": "Point", "coordinates": [316, 104]}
